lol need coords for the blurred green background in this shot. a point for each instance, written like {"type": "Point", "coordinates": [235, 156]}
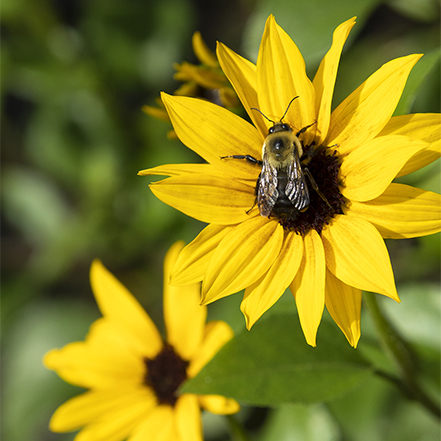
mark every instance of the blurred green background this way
{"type": "Point", "coordinates": [75, 74]}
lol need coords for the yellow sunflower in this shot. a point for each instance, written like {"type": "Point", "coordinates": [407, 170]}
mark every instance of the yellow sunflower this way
{"type": "Point", "coordinates": [332, 248]}
{"type": "Point", "coordinates": [134, 376]}
{"type": "Point", "coordinates": [204, 80]}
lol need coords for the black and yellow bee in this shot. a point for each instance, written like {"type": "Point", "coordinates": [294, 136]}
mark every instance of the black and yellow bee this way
{"type": "Point", "coordinates": [281, 188]}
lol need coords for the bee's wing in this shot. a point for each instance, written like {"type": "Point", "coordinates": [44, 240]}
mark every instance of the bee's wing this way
{"type": "Point", "coordinates": [267, 192]}
{"type": "Point", "coordinates": [296, 189]}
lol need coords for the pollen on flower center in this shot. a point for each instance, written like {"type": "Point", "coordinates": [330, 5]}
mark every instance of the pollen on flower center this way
{"type": "Point", "coordinates": [324, 169]}
{"type": "Point", "coordinates": [165, 373]}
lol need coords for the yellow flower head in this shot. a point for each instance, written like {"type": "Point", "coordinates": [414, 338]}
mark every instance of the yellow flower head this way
{"type": "Point", "coordinates": [322, 183]}
{"type": "Point", "coordinates": [134, 376]}
{"type": "Point", "coordinates": [205, 80]}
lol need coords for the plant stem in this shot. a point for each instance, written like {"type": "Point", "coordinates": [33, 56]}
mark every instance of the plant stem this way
{"type": "Point", "coordinates": [237, 429]}
{"type": "Point", "coordinates": [403, 357]}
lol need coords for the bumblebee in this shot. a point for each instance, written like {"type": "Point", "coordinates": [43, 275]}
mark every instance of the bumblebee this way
{"type": "Point", "coordinates": [281, 188]}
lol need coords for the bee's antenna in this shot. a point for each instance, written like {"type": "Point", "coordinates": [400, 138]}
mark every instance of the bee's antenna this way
{"type": "Point", "coordinates": [286, 111]}
{"type": "Point", "coordinates": [270, 120]}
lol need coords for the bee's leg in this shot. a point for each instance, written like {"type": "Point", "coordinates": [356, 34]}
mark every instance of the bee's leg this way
{"type": "Point", "coordinates": [315, 187]}
{"type": "Point", "coordinates": [255, 194]}
{"type": "Point", "coordinates": [248, 158]}
{"type": "Point", "coordinates": [248, 211]}
{"type": "Point", "coordinates": [305, 129]}
{"type": "Point", "coordinates": [312, 153]}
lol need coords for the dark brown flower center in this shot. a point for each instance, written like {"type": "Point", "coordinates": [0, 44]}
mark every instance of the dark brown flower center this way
{"type": "Point", "coordinates": [165, 373]}
{"type": "Point", "coordinates": [324, 168]}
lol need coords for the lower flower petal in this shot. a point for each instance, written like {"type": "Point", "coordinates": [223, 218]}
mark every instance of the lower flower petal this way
{"type": "Point", "coordinates": [158, 426]}
{"type": "Point", "coordinates": [242, 257]}
{"type": "Point", "coordinates": [261, 295]}
{"type": "Point", "coordinates": [218, 404]}
{"type": "Point", "coordinates": [193, 260]}
{"type": "Point", "coordinates": [356, 254]}
{"type": "Point", "coordinates": [402, 212]}
{"type": "Point", "coordinates": [369, 169]}
{"type": "Point", "coordinates": [107, 415]}
{"type": "Point", "coordinates": [211, 199]}
{"type": "Point", "coordinates": [217, 333]}
{"type": "Point", "coordinates": [308, 287]}
{"type": "Point", "coordinates": [344, 304]}
{"type": "Point", "coordinates": [100, 362]}
{"type": "Point", "coordinates": [183, 315]}
{"type": "Point", "coordinates": [188, 418]}
{"type": "Point", "coordinates": [119, 307]}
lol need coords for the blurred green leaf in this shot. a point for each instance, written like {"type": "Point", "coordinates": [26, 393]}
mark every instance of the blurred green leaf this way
{"type": "Point", "coordinates": [418, 316]}
{"type": "Point", "coordinates": [309, 23]}
{"type": "Point", "coordinates": [416, 79]}
{"type": "Point", "coordinates": [377, 411]}
{"type": "Point", "coordinates": [272, 364]}
{"type": "Point", "coordinates": [34, 204]}
{"type": "Point", "coordinates": [34, 391]}
{"type": "Point", "coordinates": [424, 10]}
{"type": "Point", "coordinates": [301, 422]}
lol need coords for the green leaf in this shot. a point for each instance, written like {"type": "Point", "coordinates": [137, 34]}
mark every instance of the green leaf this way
{"type": "Point", "coordinates": [416, 79]}
{"type": "Point", "coordinates": [272, 364]}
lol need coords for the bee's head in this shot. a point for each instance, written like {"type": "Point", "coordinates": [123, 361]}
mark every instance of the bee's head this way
{"type": "Point", "coordinates": [279, 127]}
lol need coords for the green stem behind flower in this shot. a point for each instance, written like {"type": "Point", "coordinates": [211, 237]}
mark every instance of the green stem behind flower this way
{"type": "Point", "coordinates": [403, 357]}
{"type": "Point", "coordinates": [237, 430]}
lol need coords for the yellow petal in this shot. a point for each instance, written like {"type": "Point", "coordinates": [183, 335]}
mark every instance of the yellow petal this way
{"type": "Point", "coordinates": [361, 116]}
{"type": "Point", "coordinates": [93, 406]}
{"type": "Point", "coordinates": [188, 418]}
{"type": "Point", "coordinates": [116, 424]}
{"type": "Point", "coordinates": [181, 169]}
{"type": "Point", "coordinates": [200, 75]}
{"type": "Point", "coordinates": [228, 97]}
{"type": "Point", "coordinates": [242, 75]}
{"type": "Point", "coordinates": [103, 361]}
{"type": "Point", "coordinates": [308, 287]}
{"type": "Point", "coordinates": [421, 159]}
{"type": "Point", "coordinates": [213, 132]}
{"type": "Point", "coordinates": [356, 254]}
{"type": "Point", "coordinates": [193, 260]}
{"type": "Point", "coordinates": [324, 80]}
{"type": "Point", "coordinates": [281, 76]}
{"type": "Point", "coordinates": [344, 304]}
{"type": "Point", "coordinates": [211, 199]}
{"type": "Point", "coordinates": [202, 51]}
{"type": "Point", "coordinates": [158, 426]}
{"type": "Point", "coordinates": [242, 257]}
{"type": "Point", "coordinates": [368, 170]}
{"type": "Point", "coordinates": [261, 295]}
{"type": "Point", "coordinates": [402, 212]}
{"type": "Point", "coordinates": [218, 404]}
{"type": "Point", "coordinates": [424, 126]}
{"type": "Point", "coordinates": [183, 315]}
{"type": "Point", "coordinates": [122, 309]}
{"type": "Point", "coordinates": [156, 112]}
{"type": "Point", "coordinates": [217, 333]}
